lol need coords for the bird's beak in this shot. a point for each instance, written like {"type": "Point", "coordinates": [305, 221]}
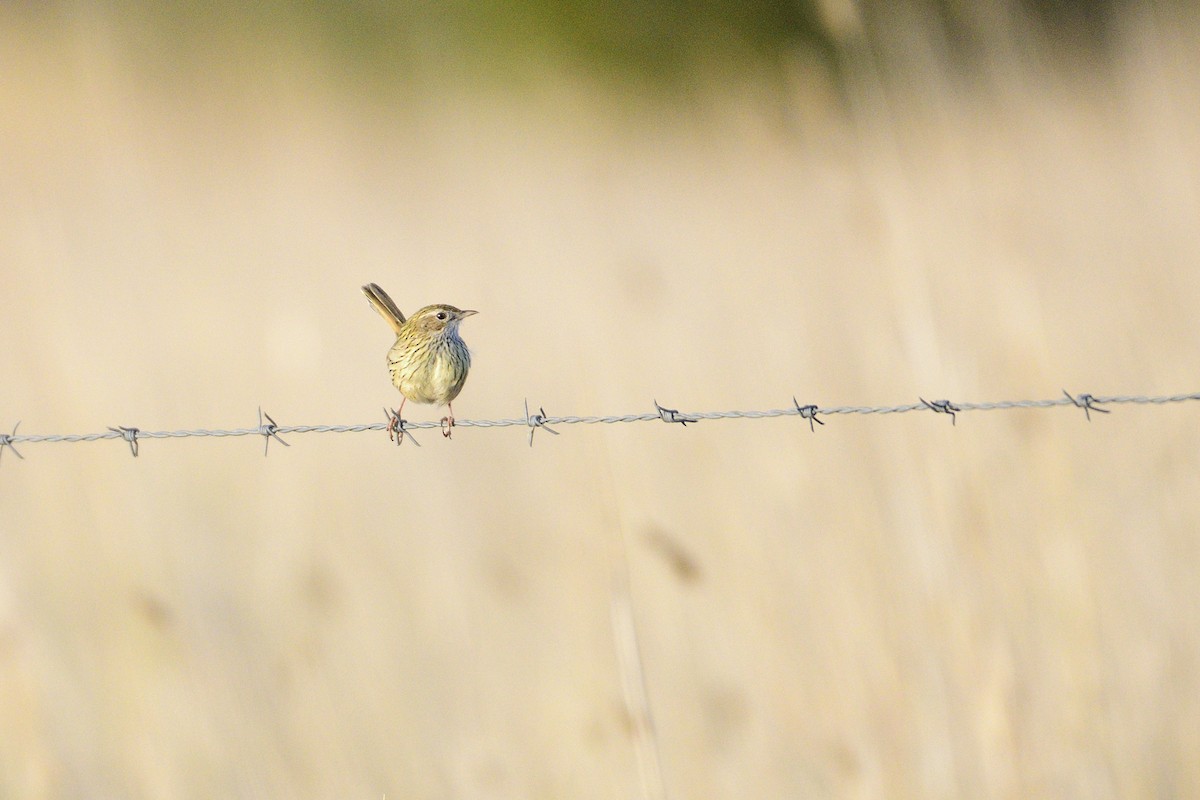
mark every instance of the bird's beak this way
{"type": "Point", "coordinates": [467, 313]}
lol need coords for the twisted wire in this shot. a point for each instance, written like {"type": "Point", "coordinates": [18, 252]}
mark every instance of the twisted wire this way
{"type": "Point", "coordinates": [269, 429]}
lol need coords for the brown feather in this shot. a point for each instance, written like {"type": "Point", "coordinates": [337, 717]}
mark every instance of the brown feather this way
{"type": "Point", "coordinates": [384, 305]}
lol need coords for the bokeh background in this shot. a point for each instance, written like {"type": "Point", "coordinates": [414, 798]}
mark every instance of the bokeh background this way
{"type": "Point", "coordinates": [717, 205]}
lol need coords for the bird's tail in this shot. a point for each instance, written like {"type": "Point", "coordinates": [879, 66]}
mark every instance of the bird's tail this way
{"type": "Point", "coordinates": [384, 305]}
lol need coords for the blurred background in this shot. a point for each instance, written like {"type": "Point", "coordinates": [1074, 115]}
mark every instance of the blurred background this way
{"type": "Point", "coordinates": [718, 205]}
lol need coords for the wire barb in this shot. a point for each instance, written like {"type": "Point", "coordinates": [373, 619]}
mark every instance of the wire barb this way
{"type": "Point", "coordinates": [809, 413]}
{"type": "Point", "coordinates": [943, 407]}
{"type": "Point", "coordinates": [130, 435]}
{"type": "Point", "coordinates": [1088, 403]}
{"type": "Point", "coordinates": [395, 423]}
{"type": "Point", "coordinates": [535, 421]}
{"type": "Point", "coordinates": [672, 415]}
{"type": "Point", "coordinates": [6, 440]}
{"type": "Point", "coordinates": [269, 430]}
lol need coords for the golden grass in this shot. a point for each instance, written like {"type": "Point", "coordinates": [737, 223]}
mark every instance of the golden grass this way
{"type": "Point", "coordinates": [888, 608]}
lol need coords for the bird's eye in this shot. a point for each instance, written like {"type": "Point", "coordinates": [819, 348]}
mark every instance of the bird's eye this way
{"type": "Point", "coordinates": [441, 315]}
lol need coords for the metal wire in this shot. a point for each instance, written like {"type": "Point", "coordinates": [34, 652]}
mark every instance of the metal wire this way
{"type": "Point", "coordinates": [268, 429]}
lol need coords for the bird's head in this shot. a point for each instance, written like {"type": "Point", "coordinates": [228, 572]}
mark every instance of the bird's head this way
{"type": "Point", "coordinates": [439, 318]}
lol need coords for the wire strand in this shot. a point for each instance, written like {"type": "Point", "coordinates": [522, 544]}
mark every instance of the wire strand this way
{"type": "Point", "coordinates": [269, 429]}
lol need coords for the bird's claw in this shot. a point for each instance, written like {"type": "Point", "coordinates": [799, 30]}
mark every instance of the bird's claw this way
{"type": "Point", "coordinates": [395, 427]}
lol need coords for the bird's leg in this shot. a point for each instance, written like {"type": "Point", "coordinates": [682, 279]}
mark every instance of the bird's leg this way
{"type": "Point", "coordinates": [396, 423]}
{"type": "Point", "coordinates": [448, 421]}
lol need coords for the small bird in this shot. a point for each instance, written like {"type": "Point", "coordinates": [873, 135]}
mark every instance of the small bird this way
{"type": "Point", "coordinates": [429, 361]}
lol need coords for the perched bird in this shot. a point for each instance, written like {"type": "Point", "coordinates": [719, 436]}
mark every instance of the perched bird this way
{"type": "Point", "coordinates": [429, 361]}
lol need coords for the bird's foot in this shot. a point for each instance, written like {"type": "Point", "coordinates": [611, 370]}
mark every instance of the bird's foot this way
{"type": "Point", "coordinates": [395, 427]}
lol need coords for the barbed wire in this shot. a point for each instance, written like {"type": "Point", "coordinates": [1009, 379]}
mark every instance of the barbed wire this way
{"type": "Point", "coordinates": [540, 420]}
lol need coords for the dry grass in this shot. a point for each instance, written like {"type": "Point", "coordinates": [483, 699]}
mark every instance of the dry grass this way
{"type": "Point", "coordinates": [891, 607]}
